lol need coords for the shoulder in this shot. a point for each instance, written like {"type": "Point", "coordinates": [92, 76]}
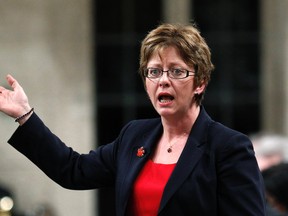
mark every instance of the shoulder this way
{"type": "Point", "coordinates": [216, 131]}
{"type": "Point", "coordinates": [217, 128]}
{"type": "Point", "coordinates": [227, 139]}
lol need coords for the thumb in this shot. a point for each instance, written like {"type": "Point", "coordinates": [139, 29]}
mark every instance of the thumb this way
{"type": "Point", "coordinates": [12, 81]}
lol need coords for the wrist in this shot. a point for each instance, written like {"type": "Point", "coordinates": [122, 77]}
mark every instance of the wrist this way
{"type": "Point", "coordinates": [23, 118]}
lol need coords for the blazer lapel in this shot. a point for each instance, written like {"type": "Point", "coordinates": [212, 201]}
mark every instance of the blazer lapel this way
{"type": "Point", "coordinates": [191, 154]}
{"type": "Point", "coordinates": [189, 158]}
{"type": "Point", "coordinates": [137, 160]}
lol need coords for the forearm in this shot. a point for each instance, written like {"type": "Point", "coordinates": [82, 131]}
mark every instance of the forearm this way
{"type": "Point", "coordinates": [39, 145]}
{"type": "Point", "coordinates": [59, 162]}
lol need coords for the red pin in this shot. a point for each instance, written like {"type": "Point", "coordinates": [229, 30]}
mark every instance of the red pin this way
{"type": "Point", "coordinates": [140, 152]}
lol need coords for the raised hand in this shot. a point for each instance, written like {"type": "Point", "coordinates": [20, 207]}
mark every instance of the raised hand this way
{"type": "Point", "coordinates": [13, 102]}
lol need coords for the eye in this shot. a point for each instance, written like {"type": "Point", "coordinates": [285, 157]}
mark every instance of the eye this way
{"type": "Point", "coordinates": [178, 72]}
{"type": "Point", "coordinates": [153, 72]}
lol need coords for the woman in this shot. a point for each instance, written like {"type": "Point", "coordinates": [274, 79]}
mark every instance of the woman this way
{"type": "Point", "coordinates": [182, 163]}
{"type": "Point", "coordinates": [276, 180]}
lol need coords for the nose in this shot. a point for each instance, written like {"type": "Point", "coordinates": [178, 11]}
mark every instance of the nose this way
{"type": "Point", "coordinates": [164, 80]}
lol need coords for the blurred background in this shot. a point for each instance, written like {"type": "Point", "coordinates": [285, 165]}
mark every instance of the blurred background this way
{"type": "Point", "coordinates": [78, 59]}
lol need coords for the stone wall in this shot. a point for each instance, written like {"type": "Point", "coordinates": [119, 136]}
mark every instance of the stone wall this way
{"type": "Point", "coordinates": [47, 46]}
{"type": "Point", "coordinates": [274, 66]}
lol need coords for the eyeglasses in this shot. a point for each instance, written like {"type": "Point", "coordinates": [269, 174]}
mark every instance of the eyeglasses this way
{"type": "Point", "coordinates": [174, 73]}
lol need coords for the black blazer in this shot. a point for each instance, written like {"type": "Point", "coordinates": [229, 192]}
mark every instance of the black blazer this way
{"type": "Point", "coordinates": [217, 173]}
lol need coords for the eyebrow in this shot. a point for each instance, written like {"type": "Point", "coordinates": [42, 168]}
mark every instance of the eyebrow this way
{"type": "Point", "coordinates": [171, 65]}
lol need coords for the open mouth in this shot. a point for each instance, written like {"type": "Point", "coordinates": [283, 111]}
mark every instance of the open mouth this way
{"type": "Point", "coordinates": [165, 98]}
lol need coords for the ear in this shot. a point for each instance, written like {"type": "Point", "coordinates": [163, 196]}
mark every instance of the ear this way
{"type": "Point", "coordinates": [200, 89]}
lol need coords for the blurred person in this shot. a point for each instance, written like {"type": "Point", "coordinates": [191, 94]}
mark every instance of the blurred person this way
{"type": "Point", "coordinates": [182, 163]}
{"type": "Point", "coordinates": [270, 149]}
{"type": "Point", "coordinates": [276, 181]}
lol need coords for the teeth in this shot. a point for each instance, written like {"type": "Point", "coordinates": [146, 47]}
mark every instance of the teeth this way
{"type": "Point", "coordinates": [165, 99]}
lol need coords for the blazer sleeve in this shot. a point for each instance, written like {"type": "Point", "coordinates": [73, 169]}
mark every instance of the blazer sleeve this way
{"type": "Point", "coordinates": [240, 183]}
{"type": "Point", "coordinates": [61, 163]}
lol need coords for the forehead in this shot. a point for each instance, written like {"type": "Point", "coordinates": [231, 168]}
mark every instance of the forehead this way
{"type": "Point", "coordinates": [165, 54]}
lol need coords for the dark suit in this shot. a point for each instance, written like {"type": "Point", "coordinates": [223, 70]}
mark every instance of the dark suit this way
{"type": "Point", "coordinates": [217, 173]}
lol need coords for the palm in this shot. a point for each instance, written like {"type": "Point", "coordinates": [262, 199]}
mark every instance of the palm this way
{"type": "Point", "coordinates": [13, 102]}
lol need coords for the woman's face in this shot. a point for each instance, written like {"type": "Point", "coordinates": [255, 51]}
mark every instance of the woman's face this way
{"type": "Point", "coordinates": [171, 97]}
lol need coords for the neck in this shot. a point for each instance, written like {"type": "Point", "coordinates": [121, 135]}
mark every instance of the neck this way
{"type": "Point", "coordinates": [175, 127]}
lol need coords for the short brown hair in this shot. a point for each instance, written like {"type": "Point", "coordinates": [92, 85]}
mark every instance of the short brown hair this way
{"type": "Point", "coordinates": [190, 44]}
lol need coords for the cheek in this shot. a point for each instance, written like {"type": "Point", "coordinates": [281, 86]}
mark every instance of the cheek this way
{"type": "Point", "coordinates": [150, 88]}
{"type": "Point", "coordinates": [186, 92]}
{"type": "Point", "coordinates": [188, 84]}
{"type": "Point", "coordinates": [186, 87]}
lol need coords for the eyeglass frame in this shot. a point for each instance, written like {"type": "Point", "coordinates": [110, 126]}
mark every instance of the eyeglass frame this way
{"type": "Point", "coordinates": [145, 73]}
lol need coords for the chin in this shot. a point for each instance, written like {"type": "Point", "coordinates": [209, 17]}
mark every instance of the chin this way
{"type": "Point", "coordinates": [166, 114]}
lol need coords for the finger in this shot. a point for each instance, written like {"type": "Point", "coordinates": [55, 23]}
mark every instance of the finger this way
{"type": "Point", "coordinates": [12, 81]}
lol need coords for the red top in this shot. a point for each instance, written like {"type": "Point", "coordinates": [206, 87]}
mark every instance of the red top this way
{"type": "Point", "coordinates": [148, 188]}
